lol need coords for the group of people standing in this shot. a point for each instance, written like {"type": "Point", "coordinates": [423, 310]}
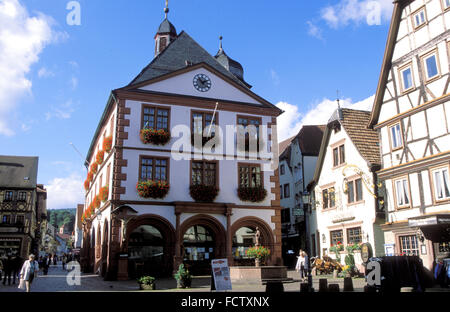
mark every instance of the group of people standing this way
{"type": "Point", "coordinates": [10, 267]}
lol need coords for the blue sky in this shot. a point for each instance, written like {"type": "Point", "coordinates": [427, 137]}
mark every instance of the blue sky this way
{"type": "Point", "coordinates": [57, 77]}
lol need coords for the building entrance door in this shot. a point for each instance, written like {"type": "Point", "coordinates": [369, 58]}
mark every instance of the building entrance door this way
{"type": "Point", "coordinates": [146, 252]}
{"type": "Point", "coordinates": [199, 249]}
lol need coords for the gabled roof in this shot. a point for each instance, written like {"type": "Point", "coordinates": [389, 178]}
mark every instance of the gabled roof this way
{"type": "Point", "coordinates": [174, 58]}
{"type": "Point", "coordinates": [309, 139]}
{"type": "Point", "coordinates": [366, 140]}
{"type": "Point", "coordinates": [18, 171]}
{"type": "Point", "coordinates": [399, 5]}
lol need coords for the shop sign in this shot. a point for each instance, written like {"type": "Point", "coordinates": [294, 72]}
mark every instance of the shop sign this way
{"type": "Point", "coordinates": [422, 221]}
{"type": "Point", "coordinates": [221, 274]}
{"type": "Point", "coordinates": [389, 249]}
{"type": "Point", "coordinates": [366, 252]}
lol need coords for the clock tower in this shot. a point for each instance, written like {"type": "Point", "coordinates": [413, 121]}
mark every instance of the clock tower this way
{"type": "Point", "coordinates": [166, 33]}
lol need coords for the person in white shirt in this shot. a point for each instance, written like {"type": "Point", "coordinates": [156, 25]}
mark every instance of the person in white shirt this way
{"type": "Point", "coordinates": [29, 270]}
{"type": "Point", "coordinates": [302, 265]}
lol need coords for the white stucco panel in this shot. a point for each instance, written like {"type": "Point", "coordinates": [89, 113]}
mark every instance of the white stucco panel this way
{"type": "Point", "coordinates": [263, 214]}
{"type": "Point", "coordinates": [183, 84]}
{"type": "Point", "coordinates": [436, 123]}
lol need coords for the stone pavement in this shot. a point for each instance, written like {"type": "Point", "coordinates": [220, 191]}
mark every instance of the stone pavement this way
{"type": "Point", "coordinates": [56, 281]}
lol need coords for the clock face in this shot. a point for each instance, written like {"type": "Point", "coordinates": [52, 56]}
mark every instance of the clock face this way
{"type": "Point", "coordinates": [202, 82]}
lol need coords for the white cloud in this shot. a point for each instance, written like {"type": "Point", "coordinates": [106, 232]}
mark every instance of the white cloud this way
{"type": "Point", "coordinates": [64, 111]}
{"type": "Point", "coordinates": [291, 121]}
{"type": "Point", "coordinates": [45, 73]}
{"type": "Point", "coordinates": [372, 12]}
{"type": "Point", "coordinates": [22, 39]}
{"type": "Point", "coordinates": [65, 192]}
{"type": "Point", "coordinates": [275, 77]}
{"type": "Point", "coordinates": [73, 82]}
{"type": "Point", "coordinates": [314, 30]}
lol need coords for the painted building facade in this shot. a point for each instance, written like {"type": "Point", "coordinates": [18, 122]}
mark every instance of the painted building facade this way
{"type": "Point", "coordinates": [298, 157]}
{"type": "Point", "coordinates": [344, 187]}
{"type": "Point", "coordinates": [23, 208]}
{"type": "Point", "coordinates": [412, 115]}
{"type": "Point", "coordinates": [128, 233]}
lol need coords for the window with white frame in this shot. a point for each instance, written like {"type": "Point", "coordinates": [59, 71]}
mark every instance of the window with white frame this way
{"type": "Point", "coordinates": [406, 78]}
{"type": "Point", "coordinates": [402, 192]}
{"type": "Point", "coordinates": [430, 64]}
{"type": "Point", "coordinates": [409, 245]}
{"type": "Point", "coordinates": [446, 4]}
{"type": "Point", "coordinates": [441, 184]}
{"type": "Point", "coordinates": [419, 18]}
{"type": "Point", "coordinates": [396, 137]}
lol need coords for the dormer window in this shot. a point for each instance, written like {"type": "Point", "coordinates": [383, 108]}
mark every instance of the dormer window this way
{"type": "Point", "coordinates": [419, 18]}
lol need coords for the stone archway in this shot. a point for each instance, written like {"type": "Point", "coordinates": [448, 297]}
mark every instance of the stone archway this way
{"type": "Point", "coordinates": [212, 249]}
{"type": "Point", "coordinates": [162, 233]}
{"type": "Point", "coordinates": [104, 248]}
{"type": "Point", "coordinates": [266, 239]}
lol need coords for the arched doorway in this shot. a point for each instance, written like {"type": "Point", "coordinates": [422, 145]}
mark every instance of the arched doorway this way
{"type": "Point", "coordinates": [150, 243]}
{"type": "Point", "coordinates": [98, 251]}
{"type": "Point", "coordinates": [244, 231]}
{"type": "Point", "coordinates": [243, 239]}
{"type": "Point", "coordinates": [92, 251]}
{"type": "Point", "coordinates": [203, 239]}
{"type": "Point", "coordinates": [104, 249]}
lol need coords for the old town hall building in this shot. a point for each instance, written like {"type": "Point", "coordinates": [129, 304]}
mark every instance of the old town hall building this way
{"type": "Point", "coordinates": [153, 202]}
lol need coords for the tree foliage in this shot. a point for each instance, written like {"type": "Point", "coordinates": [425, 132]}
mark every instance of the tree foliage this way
{"type": "Point", "coordinates": [59, 217]}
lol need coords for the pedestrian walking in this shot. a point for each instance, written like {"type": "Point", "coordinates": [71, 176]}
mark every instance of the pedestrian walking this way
{"type": "Point", "coordinates": [17, 265]}
{"type": "Point", "coordinates": [7, 269]}
{"type": "Point", "coordinates": [302, 265]}
{"type": "Point", "coordinates": [45, 264]}
{"type": "Point", "coordinates": [28, 272]}
{"type": "Point", "coordinates": [64, 261]}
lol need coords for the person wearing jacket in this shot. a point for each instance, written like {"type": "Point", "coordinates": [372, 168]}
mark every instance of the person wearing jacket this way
{"type": "Point", "coordinates": [29, 270]}
{"type": "Point", "coordinates": [302, 265]}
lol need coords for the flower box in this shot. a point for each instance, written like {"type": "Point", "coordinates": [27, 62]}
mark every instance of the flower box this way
{"type": "Point", "coordinates": [104, 192]}
{"type": "Point", "coordinates": [90, 176]}
{"type": "Point", "coordinates": [152, 189]}
{"type": "Point", "coordinates": [97, 202]}
{"type": "Point", "coordinates": [203, 193]}
{"type": "Point", "coordinates": [152, 136]}
{"type": "Point", "coordinates": [260, 253]}
{"type": "Point", "coordinates": [94, 168]}
{"type": "Point", "coordinates": [100, 157]}
{"type": "Point", "coordinates": [252, 194]}
{"type": "Point", "coordinates": [86, 184]}
{"type": "Point", "coordinates": [107, 144]}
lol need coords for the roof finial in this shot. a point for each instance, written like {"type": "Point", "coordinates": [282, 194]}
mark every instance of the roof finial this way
{"type": "Point", "coordinates": [338, 100]}
{"type": "Point", "coordinates": [166, 9]}
{"type": "Point", "coordinates": [220, 38]}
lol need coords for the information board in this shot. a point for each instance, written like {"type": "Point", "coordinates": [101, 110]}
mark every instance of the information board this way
{"type": "Point", "coordinates": [221, 274]}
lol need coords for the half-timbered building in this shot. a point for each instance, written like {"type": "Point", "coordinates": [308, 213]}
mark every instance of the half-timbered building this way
{"type": "Point", "coordinates": [412, 116]}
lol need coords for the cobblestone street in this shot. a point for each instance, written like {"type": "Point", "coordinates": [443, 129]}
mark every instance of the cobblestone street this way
{"type": "Point", "coordinates": [56, 281]}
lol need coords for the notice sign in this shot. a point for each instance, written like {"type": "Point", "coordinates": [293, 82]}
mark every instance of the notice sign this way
{"type": "Point", "coordinates": [221, 274]}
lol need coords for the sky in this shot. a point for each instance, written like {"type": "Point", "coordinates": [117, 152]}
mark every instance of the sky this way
{"type": "Point", "coordinates": [57, 68]}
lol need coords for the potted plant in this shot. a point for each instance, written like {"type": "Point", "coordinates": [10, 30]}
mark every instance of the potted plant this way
{"type": "Point", "coordinates": [152, 136]}
{"type": "Point", "coordinates": [259, 253]}
{"type": "Point", "coordinates": [203, 193]}
{"type": "Point", "coordinates": [86, 184]}
{"type": "Point", "coordinates": [252, 194]}
{"type": "Point", "coordinates": [147, 283]}
{"type": "Point", "coordinates": [183, 277]}
{"type": "Point", "coordinates": [152, 189]}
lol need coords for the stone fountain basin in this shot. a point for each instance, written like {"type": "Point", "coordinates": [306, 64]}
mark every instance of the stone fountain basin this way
{"type": "Point", "coordinates": [262, 274]}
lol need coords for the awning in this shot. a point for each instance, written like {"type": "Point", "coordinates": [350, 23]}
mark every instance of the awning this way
{"type": "Point", "coordinates": [434, 227]}
{"type": "Point", "coordinates": [422, 221]}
